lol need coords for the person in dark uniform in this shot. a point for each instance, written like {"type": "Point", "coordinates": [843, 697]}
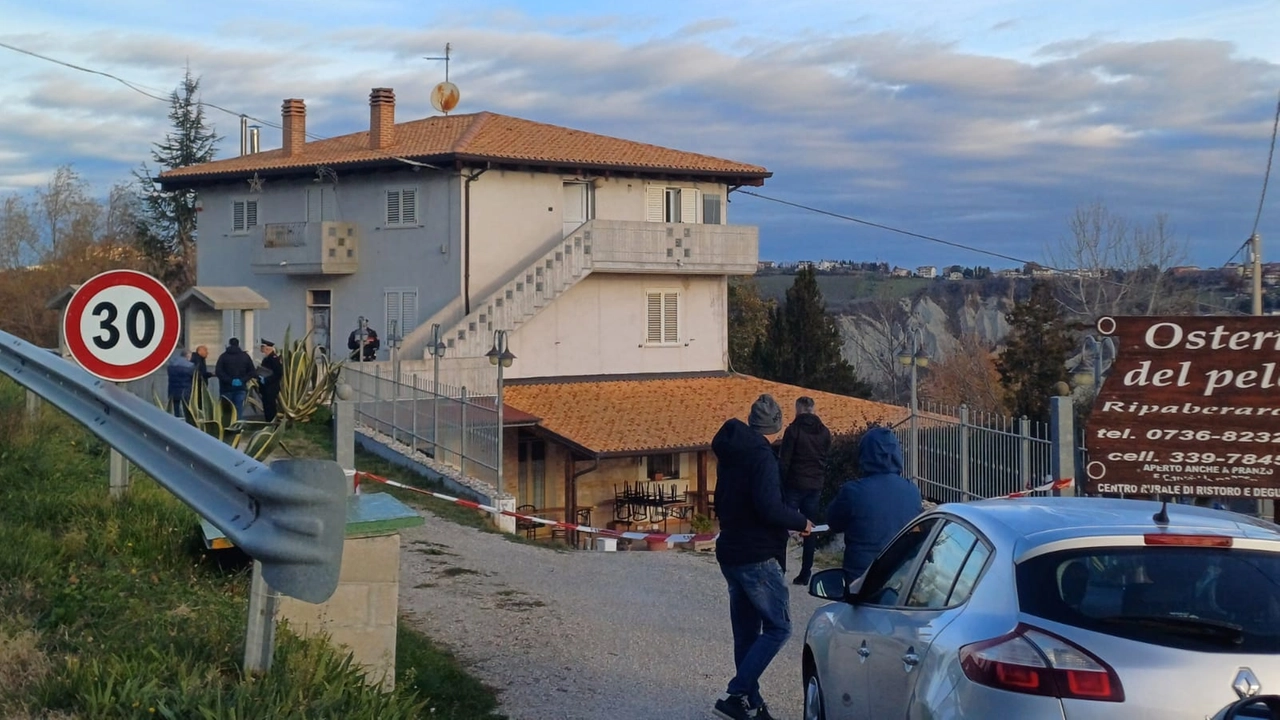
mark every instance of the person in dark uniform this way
{"type": "Point", "coordinates": [272, 372]}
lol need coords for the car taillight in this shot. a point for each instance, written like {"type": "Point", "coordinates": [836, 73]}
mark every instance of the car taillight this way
{"type": "Point", "coordinates": [1187, 540]}
{"type": "Point", "coordinates": [1037, 662]}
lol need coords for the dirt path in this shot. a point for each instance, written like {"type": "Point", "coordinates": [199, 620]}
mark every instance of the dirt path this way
{"type": "Point", "coordinates": [589, 635]}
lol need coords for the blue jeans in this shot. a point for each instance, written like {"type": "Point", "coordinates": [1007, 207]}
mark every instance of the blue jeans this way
{"type": "Point", "coordinates": [236, 397]}
{"type": "Point", "coordinates": [806, 501]}
{"type": "Point", "coordinates": [759, 610]}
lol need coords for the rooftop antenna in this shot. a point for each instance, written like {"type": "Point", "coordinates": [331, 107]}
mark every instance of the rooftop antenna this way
{"type": "Point", "coordinates": [445, 96]}
{"type": "Point", "coordinates": [1162, 518]}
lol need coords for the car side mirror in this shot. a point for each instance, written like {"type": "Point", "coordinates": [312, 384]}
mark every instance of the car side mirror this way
{"type": "Point", "coordinates": [828, 584]}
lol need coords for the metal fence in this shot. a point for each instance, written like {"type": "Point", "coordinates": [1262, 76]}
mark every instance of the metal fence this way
{"type": "Point", "coordinates": [958, 454]}
{"type": "Point", "coordinates": [455, 425]}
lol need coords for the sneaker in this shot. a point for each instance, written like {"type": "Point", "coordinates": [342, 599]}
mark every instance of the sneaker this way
{"type": "Point", "coordinates": [762, 712]}
{"type": "Point", "coordinates": [801, 579]}
{"type": "Point", "coordinates": [734, 707]}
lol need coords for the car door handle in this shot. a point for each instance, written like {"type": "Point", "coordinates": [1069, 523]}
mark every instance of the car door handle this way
{"type": "Point", "coordinates": [863, 652]}
{"type": "Point", "coordinates": [910, 659]}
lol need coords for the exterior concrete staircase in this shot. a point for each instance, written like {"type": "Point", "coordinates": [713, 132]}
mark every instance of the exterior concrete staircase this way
{"type": "Point", "coordinates": [515, 302]}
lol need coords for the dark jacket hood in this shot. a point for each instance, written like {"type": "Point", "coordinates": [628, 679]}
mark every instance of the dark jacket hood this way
{"type": "Point", "coordinates": [880, 453]}
{"type": "Point", "coordinates": [736, 436]}
{"type": "Point", "coordinates": [233, 349]}
{"type": "Point", "coordinates": [809, 423]}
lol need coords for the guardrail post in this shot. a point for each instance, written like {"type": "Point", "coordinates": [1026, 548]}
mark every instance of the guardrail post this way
{"type": "Point", "coordinates": [118, 469]}
{"type": "Point", "coordinates": [1063, 434]}
{"type": "Point", "coordinates": [33, 405]}
{"type": "Point", "coordinates": [260, 638]}
{"type": "Point", "coordinates": [964, 454]}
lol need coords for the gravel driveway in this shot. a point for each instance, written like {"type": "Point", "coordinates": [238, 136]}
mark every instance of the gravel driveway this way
{"type": "Point", "coordinates": [632, 635]}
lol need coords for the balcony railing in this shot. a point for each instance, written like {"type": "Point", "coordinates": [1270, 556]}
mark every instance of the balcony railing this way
{"type": "Point", "coordinates": [308, 248]}
{"type": "Point", "coordinates": [630, 246]}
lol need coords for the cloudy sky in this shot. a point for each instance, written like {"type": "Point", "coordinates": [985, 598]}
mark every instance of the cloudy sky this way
{"type": "Point", "coordinates": [982, 122]}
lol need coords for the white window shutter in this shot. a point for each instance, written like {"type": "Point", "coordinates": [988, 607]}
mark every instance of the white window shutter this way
{"type": "Point", "coordinates": [655, 198]}
{"type": "Point", "coordinates": [393, 207]}
{"type": "Point", "coordinates": [408, 311]}
{"type": "Point", "coordinates": [670, 317]}
{"type": "Point", "coordinates": [654, 333]}
{"type": "Point", "coordinates": [250, 214]}
{"type": "Point", "coordinates": [393, 312]}
{"type": "Point", "coordinates": [237, 215]}
{"type": "Point", "coordinates": [688, 205]}
{"type": "Point", "coordinates": [409, 206]}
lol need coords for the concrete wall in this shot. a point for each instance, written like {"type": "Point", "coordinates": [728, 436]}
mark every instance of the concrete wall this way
{"type": "Point", "coordinates": [427, 257]}
{"type": "Point", "coordinates": [362, 613]}
{"type": "Point", "coordinates": [599, 327]}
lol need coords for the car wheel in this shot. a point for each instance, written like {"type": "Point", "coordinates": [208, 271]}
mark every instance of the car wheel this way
{"type": "Point", "coordinates": [813, 709]}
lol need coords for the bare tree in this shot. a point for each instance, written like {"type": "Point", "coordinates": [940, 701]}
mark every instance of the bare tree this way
{"type": "Point", "coordinates": [1114, 266]}
{"type": "Point", "coordinates": [876, 340]}
{"type": "Point", "coordinates": [967, 376]}
{"type": "Point", "coordinates": [70, 216]}
{"type": "Point", "coordinates": [19, 239]}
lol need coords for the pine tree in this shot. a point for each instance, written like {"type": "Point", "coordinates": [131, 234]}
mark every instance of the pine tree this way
{"type": "Point", "coordinates": [749, 315]}
{"type": "Point", "coordinates": [804, 344]}
{"type": "Point", "coordinates": [1034, 360]}
{"type": "Point", "coordinates": [167, 231]}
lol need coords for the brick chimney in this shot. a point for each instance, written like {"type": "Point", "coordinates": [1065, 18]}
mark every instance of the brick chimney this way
{"type": "Point", "coordinates": [293, 116]}
{"type": "Point", "coordinates": [382, 118]}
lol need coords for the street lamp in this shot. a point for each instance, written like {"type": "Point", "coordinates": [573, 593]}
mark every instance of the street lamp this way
{"type": "Point", "coordinates": [916, 359]}
{"type": "Point", "coordinates": [500, 357]}
{"type": "Point", "coordinates": [1100, 354]}
{"type": "Point", "coordinates": [436, 347]}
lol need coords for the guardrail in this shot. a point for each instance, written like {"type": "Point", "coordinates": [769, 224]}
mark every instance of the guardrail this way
{"type": "Point", "coordinates": [290, 516]}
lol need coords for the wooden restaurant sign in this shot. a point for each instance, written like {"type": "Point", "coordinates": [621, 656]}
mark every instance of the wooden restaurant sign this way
{"type": "Point", "coordinates": [1191, 406]}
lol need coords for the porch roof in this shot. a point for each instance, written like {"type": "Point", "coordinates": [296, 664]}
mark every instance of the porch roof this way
{"type": "Point", "coordinates": [671, 413]}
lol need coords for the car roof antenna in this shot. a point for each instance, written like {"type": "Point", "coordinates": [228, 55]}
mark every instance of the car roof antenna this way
{"type": "Point", "coordinates": [1162, 517]}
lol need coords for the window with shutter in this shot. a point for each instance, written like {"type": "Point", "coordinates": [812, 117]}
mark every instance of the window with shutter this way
{"type": "Point", "coordinates": [244, 216]}
{"type": "Point", "coordinates": [402, 207]}
{"type": "Point", "coordinates": [662, 317]}
{"type": "Point", "coordinates": [688, 205]}
{"type": "Point", "coordinates": [655, 198]}
{"type": "Point", "coordinates": [393, 207]}
{"type": "Point", "coordinates": [402, 309]}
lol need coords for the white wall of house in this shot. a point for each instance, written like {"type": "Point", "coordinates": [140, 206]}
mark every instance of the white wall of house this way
{"type": "Point", "coordinates": [602, 325]}
{"type": "Point", "coordinates": [422, 258]}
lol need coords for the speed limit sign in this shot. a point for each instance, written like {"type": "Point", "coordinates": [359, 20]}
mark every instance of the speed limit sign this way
{"type": "Point", "coordinates": [121, 325]}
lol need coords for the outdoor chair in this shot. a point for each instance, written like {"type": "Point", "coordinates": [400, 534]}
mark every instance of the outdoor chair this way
{"type": "Point", "coordinates": [529, 527]}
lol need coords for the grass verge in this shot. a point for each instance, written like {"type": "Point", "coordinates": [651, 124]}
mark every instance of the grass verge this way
{"type": "Point", "coordinates": [112, 609]}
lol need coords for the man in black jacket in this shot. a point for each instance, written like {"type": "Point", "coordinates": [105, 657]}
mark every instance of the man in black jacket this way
{"type": "Point", "coordinates": [234, 370]}
{"type": "Point", "coordinates": [805, 446]}
{"type": "Point", "coordinates": [754, 520]}
{"type": "Point", "coordinates": [270, 376]}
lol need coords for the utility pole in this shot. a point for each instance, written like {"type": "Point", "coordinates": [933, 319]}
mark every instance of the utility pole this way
{"type": "Point", "coordinates": [1255, 250]}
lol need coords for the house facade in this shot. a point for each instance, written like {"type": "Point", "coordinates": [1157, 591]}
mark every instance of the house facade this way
{"type": "Point", "coordinates": [606, 262]}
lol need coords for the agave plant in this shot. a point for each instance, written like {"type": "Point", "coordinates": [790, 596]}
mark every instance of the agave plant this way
{"type": "Point", "coordinates": [217, 416]}
{"type": "Point", "coordinates": [309, 381]}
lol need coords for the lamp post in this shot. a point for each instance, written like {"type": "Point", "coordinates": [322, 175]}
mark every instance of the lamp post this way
{"type": "Point", "coordinates": [436, 347]}
{"type": "Point", "coordinates": [500, 357]}
{"type": "Point", "coordinates": [1100, 354]}
{"type": "Point", "coordinates": [916, 359]}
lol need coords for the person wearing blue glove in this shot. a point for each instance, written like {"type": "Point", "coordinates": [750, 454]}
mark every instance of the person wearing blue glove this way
{"type": "Point", "coordinates": [235, 368]}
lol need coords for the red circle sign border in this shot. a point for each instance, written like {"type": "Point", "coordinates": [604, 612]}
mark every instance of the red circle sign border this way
{"type": "Point", "coordinates": [121, 373]}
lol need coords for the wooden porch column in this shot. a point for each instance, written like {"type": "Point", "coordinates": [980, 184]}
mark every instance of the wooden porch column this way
{"type": "Point", "coordinates": [702, 483]}
{"type": "Point", "coordinates": [570, 497]}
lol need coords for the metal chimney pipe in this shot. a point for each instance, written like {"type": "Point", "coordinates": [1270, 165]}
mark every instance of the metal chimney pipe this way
{"type": "Point", "coordinates": [244, 135]}
{"type": "Point", "coordinates": [253, 139]}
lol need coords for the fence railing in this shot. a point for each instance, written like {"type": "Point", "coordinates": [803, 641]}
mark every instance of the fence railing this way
{"type": "Point", "coordinates": [969, 455]}
{"type": "Point", "coordinates": [455, 425]}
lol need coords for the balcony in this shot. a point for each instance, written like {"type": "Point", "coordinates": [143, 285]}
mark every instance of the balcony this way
{"type": "Point", "coordinates": [648, 247]}
{"type": "Point", "coordinates": [308, 248]}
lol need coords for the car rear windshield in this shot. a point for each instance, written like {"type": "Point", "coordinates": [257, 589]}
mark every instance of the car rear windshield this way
{"type": "Point", "coordinates": [1207, 599]}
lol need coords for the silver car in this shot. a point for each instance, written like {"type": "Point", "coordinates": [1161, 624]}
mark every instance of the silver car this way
{"type": "Point", "coordinates": [1072, 608]}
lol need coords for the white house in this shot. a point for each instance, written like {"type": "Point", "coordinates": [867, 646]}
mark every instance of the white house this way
{"type": "Point", "coordinates": [605, 260]}
{"type": "Point", "coordinates": [927, 271]}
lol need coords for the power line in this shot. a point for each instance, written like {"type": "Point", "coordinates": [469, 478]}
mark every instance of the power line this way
{"type": "Point", "coordinates": [136, 87]}
{"type": "Point", "coordinates": [1267, 175]}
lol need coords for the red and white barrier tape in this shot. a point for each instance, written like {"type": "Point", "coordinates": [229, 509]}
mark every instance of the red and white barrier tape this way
{"type": "Point", "coordinates": [605, 532]}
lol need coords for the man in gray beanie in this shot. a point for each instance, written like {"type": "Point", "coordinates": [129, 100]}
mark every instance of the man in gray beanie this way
{"type": "Point", "coordinates": [754, 521]}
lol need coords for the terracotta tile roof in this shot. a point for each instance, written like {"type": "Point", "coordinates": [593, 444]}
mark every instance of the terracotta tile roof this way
{"type": "Point", "coordinates": [618, 417]}
{"type": "Point", "coordinates": [483, 136]}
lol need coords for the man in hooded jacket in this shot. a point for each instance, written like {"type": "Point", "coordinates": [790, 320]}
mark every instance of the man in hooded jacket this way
{"type": "Point", "coordinates": [754, 520]}
{"type": "Point", "coordinates": [872, 509]}
{"type": "Point", "coordinates": [234, 370]}
{"type": "Point", "coordinates": [803, 463]}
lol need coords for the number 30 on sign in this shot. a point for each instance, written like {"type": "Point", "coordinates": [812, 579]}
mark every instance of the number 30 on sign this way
{"type": "Point", "coordinates": [121, 325]}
